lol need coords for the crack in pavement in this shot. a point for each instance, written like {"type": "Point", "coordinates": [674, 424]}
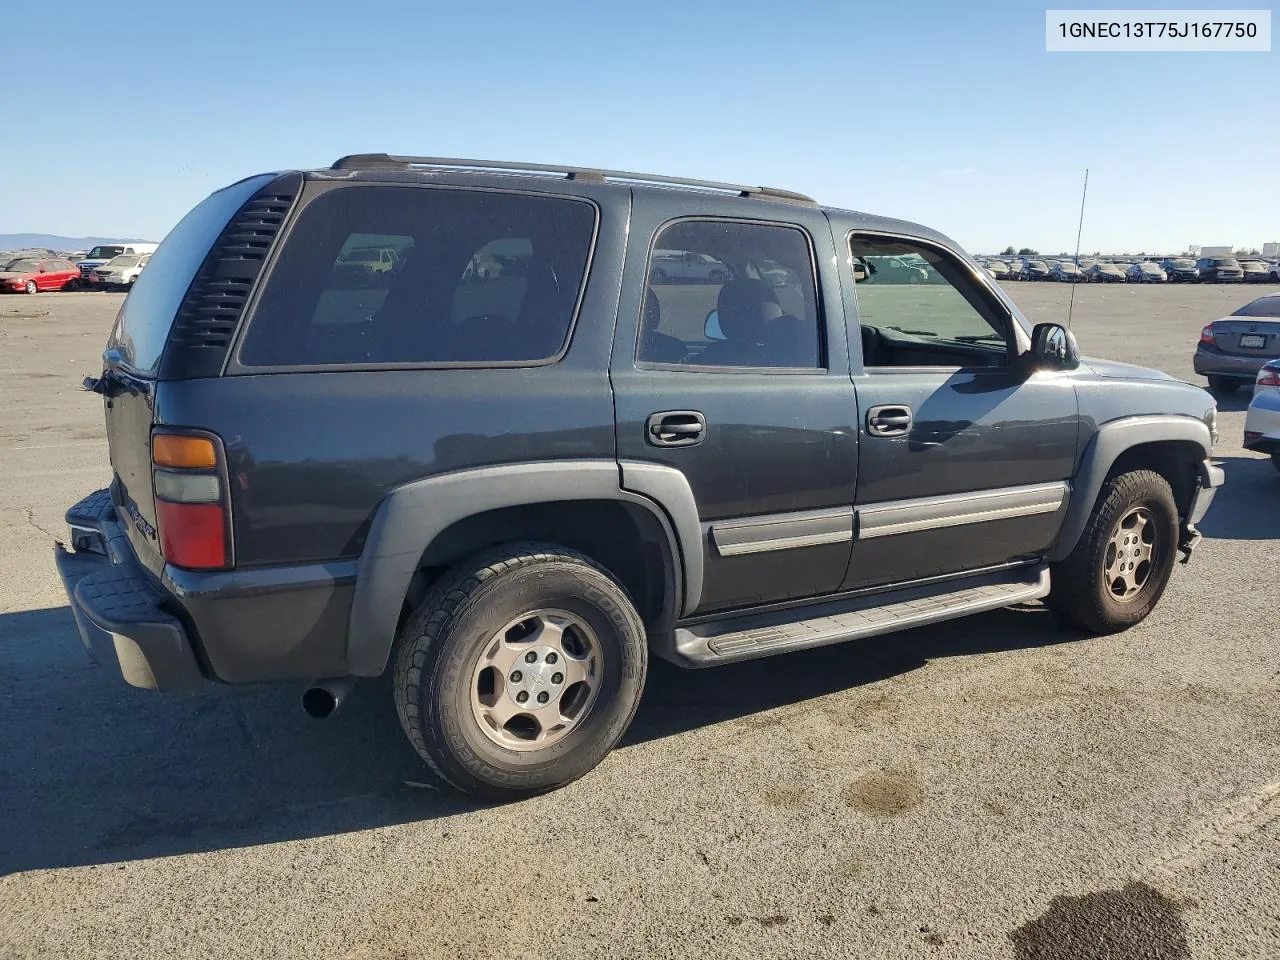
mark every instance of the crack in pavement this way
{"type": "Point", "coordinates": [30, 515]}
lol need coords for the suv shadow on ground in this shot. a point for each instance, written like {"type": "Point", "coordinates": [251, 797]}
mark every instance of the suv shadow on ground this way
{"type": "Point", "coordinates": [1249, 511]}
{"type": "Point", "coordinates": [138, 775]}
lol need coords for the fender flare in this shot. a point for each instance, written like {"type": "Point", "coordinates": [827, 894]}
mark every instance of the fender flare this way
{"type": "Point", "coordinates": [410, 517]}
{"type": "Point", "coordinates": [1101, 454]}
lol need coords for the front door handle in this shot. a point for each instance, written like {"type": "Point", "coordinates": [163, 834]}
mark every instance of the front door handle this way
{"type": "Point", "coordinates": [889, 420]}
{"type": "Point", "coordinates": [676, 428]}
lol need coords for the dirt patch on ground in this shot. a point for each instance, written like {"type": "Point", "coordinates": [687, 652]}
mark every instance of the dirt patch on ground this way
{"type": "Point", "coordinates": [884, 794]}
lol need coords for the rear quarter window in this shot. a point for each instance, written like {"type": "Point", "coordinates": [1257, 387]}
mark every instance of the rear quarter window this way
{"type": "Point", "coordinates": [143, 324]}
{"type": "Point", "coordinates": [413, 275]}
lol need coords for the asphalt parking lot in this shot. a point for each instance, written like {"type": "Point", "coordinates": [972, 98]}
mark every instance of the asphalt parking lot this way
{"type": "Point", "coordinates": [993, 788]}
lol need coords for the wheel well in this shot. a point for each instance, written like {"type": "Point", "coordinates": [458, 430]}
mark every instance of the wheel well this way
{"type": "Point", "coordinates": [625, 538]}
{"type": "Point", "coordinates": [1178, 461]}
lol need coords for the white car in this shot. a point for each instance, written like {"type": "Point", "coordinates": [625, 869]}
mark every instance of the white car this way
{"type": "Point", "coordinates": [119, 271]}
{"type": "Point", "coordinates": [1262, 423]}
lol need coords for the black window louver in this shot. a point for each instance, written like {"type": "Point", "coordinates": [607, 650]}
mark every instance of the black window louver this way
{"type": "Point", "coordinates": [214, 303]}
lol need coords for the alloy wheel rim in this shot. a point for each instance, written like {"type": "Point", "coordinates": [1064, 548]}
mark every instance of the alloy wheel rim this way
{"type": "Point", "coordinates": [1130, 557]}
{"type": "Point", "coordinates": [536, 679]}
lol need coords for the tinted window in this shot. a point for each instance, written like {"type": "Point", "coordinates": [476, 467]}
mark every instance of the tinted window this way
{"type": "Point", "coordinates": [731, 294]}
{"type": "Point", "coordinates": [1262, 307]}
{"type": "Point", "coordinates": [919, 307]}
{"type": "Point", "coordinates": [412, 275]}
{"type": "Point", "coordinates": [143, 323]}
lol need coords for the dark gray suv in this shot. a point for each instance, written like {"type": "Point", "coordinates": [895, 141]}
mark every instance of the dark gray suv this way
{"type": "Point", "coordinates": [435, 417]}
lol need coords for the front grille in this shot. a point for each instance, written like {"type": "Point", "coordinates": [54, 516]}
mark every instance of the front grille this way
{"type": "Point", "coordinates": [211, 310]}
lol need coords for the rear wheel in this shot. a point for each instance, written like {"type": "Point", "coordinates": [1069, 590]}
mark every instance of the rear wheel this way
{"type": "Point", "coordinates": [1222, 386]}
{"type": "Point", "coordinates": [1118, 571]}
{"type": "Point", "coordinates": [520, 670]}
{"type": "Point", "coordinates": [32, 288]}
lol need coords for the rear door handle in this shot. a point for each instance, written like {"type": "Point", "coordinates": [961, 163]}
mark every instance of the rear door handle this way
{"type": "Point", "coordinates": [889, 420]}
{"type": "Point", "coordinates": [676, 428]}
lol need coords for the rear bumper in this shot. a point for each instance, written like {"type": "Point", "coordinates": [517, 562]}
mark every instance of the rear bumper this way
{"type": "Point", "coordinates": [1221, 364]}
{"type": "Point", "coordinates": [118, 608]}
{"type": "Point", "coordinates": [238, 626]}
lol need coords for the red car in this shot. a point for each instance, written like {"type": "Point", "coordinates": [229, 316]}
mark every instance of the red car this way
{"type": "Point", "coordinates": [33, 274]}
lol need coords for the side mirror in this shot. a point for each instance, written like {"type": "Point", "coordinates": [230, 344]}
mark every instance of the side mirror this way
{"type": "Point", "coordinates": [711, 327]}
{"type": "Point", "coordinates": [1053, 347]}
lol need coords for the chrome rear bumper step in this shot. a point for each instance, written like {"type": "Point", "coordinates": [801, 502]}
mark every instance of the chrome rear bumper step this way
{"type": "Point", "coordinates": [761, 635]}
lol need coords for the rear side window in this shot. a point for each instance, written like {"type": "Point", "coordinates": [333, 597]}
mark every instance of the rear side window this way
{"type": "Point", "coordinates": [143, 323]}
{"type": "Point", "coordinates": [723, 293]}
{"type": "Point", "coordinates": [382, 274]}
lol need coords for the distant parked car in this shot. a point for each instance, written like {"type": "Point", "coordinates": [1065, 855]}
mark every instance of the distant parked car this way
{"type": "Point", "coordinates": [1256, 271]}
{"type": "Point", "coordinates": [897, 270]}
{"type": "Point", "coordinates": [1104, 273]}
{"type": "Point", "coordinates": [777, 274]}
{"type": "Point", "coordinates": [105, 252]}
{"type": "Point", "coordinates": [29, 275]}
{"type": "Point", "coordinates": [1262, 422]}
{"type": "Point", "coordinates": [1232, 349]}
{"type": "Point", "coordinates": [1145, 272]}
{"type": "Point", "coordinates": [998, 269]}
{"type": "Point", "coordinates": [1220, 270]}
{"type": "Point", "coordinates": [1034, 270]}
{"type": "Point", "coordinates": [1180, 269]}
{"type": "Point", "coordinates": [1066, 271]}
{"type": "Point", "coordinates": [119, 272]}
{"type": "Point", "coordinates": [687, 266]}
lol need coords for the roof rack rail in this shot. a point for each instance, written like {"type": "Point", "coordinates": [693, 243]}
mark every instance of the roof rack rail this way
{"type": "Point", "coordinates": [376, 161]}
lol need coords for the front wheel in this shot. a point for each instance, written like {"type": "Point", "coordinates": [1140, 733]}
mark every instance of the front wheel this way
{"type": "Point", "coordinates": [1118, 571]}
{"type": "Point", "coordinates": [520, 670]}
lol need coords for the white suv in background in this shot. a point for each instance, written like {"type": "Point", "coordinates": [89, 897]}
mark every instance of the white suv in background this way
{"type": "Point", "coordinates": [120, 271]}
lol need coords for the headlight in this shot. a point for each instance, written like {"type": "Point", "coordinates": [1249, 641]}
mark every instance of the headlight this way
{"type": "Point", "coordinates": [1211, 421]}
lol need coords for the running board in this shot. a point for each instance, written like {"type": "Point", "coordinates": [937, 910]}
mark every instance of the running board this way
{"type": "Point", "coordinates": [762, 635]}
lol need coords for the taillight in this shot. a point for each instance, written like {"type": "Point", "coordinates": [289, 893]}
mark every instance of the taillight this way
{"type": "Point", "coordinates": [1268, 377]}
{"type": "Point", "coordinates": [191, 500]}
{"type": "Point", "coordinates": [1206, 335]}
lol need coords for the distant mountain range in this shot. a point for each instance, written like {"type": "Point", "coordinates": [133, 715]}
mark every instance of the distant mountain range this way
{"type": "Point", "coordinates": [23, 241]}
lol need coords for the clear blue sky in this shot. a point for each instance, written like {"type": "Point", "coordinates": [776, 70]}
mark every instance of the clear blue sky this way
{"type": "Point", "coordinates": [951, 113]}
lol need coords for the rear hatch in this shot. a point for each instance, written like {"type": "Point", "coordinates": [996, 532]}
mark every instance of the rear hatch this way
{"type": "Point", "coordinates": [175, 324]}
{"type": "Point", "coordinates": [1247, 337]}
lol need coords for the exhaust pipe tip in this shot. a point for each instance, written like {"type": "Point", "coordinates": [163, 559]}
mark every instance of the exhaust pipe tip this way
{"type": "Point", "coordinates": [320, 700]}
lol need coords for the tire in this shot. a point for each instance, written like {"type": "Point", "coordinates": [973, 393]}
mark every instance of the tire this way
{"type": "Point", "coordinates": [718, 276]}
{"type": "Point", "coordinates": [443, 689]}
{"type": "Point", "coordinates": [32, 289]}
{"type": "Point", "coordinates": [1222, 386]}
{"type": "Point", "coordinates": [659, 276]}
{"type": "Point", "coordinates": [1083, 592]}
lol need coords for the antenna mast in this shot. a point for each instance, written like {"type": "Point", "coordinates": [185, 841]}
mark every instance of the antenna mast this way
{"type": "Point", "coordinates": [1079, 229]}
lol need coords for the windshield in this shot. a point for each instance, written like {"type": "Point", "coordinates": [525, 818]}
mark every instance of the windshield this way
{"type": "Point", "coordinates": [22, 266]}
{"type": "Point", "coordinates": [1268, 306]}
{"type": "Point", "coordinates": [1184, 264]}
{"type": "Point", "coordinates": [104, 253]}
{"type": "Point", "coordinates": [1226, 262]}
{"type": "Point", "coordinates": [128, 261]}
